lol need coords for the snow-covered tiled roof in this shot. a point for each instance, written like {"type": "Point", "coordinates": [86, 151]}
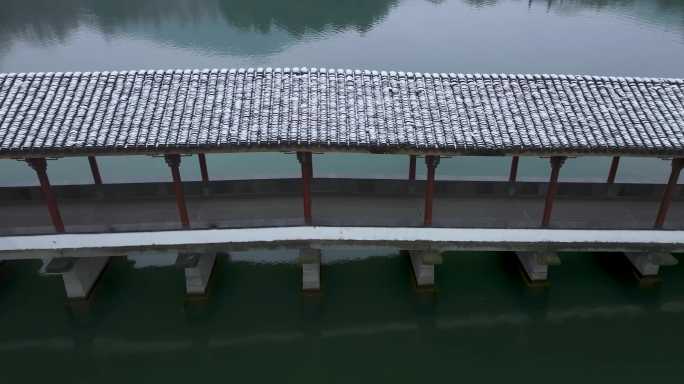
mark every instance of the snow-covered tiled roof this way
{"type": "Point", "coordinates": [337, 110]}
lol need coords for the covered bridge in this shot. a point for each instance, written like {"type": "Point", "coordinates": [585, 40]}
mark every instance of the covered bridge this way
{"type": "Point", "coordinates": [305, 110]}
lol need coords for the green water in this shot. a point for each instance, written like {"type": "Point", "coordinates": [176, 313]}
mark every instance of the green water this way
{"type": "Point", "coordinates": [594, 324]}
{"type": "Point", "coordinates": [612, 37]}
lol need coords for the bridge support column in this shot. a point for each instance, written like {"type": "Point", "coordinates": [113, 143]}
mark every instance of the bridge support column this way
{"type": "Point", "coordinates": [202, 158]}
{"type": "Point", "coordinates": [648, 264]}
{"type": "Point", "coordinates": [173, 161]}
{"type": "Point", "coordinates": [556, 164]}
{"type": "Point", "coordinates": [431, 162]}
{"type": "Point", "coordinates": [423, 264]}
{"type": "Point", "coordinates": [412, 167]}
{"type": "Point", "coordinates": [666, 201]}
{"type": "Point", "coordinates": [613, 169]}
{"type": "Point", "coordinates": [79, 274]}
{"type": "Point", "coordinates": [513, 175]}
{"type": "Point", "coordinates": [310, 260]}
{"type": "Point", "coordinates": [536, 264]}
{"type": "Point", "coordinates": [95, 170]}
{"type": "Point", "coordinates": [198, 268]}
{"type": "Point", "coordinates": [305, 160]}
{"type": "Point", "coordinates": [40, 166]}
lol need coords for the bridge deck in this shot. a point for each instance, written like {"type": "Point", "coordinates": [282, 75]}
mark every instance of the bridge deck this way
{"type": "Point", "coordinates": [336, 202]}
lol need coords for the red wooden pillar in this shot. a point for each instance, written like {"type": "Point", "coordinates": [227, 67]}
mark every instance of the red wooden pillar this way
{"type": "Point", "coordinates": [669, 190]}
{"type": "Point", "coordinates": [95, 170]}
{"type": "Point", "coordinates": [556, 164]}
{"type": "Point", "coordinates": [305, 160]}
{"type": "Point", "coordinates": [310, 166]}
{"type": "Point", "coordinates": [173, 161]}
{"type": "Point", "coordinates": [431, 162]}
{"type": "Point", "coordinates": [613, 169]}
{"type": "Point", "coordinates": [513, 175]}
{"type": "Point", "coordinates": [412, 167]}
{"type": "Point", "coordinates": [40, 166]}
{"type": "Point", "coordinates": [203, 167]}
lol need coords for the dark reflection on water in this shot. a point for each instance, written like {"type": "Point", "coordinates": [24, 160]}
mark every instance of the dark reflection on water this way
{"type": "Point", "coordinates": [305, 16]}
{"type": "Point", "coordinates": [614, 37]}
{"type": "Point", "coordinates": [44, 21]}
{"type": "Point", "coordinates": [425, 35]}
{"type": "Point", "coordinates": [369, 325]}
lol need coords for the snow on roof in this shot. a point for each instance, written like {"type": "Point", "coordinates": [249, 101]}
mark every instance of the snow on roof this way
{"type": "Point", "coordinates": [43, 114]}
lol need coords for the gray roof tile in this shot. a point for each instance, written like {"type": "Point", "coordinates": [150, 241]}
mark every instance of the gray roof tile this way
{"type": "Point", "coordinates": [316, 108]}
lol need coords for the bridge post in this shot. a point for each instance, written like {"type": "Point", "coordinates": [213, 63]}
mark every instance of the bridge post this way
{"type": "Point", "coordinates": [198, 268]}
{"type": "Point", "coordinates": [412, 168]}
{"type": "Point", "coordinates": [613, 169]}
{"type": "Point", "coordinates": [305, 160]}
{"type": "Point", "coordinates": [669, 190]}
{"type": "Point", "coordinates": [95, 170]}
{"type": "Point", "coordinates": [431, 162]}
{"type": "Point", "coordinates": [173, 161]}
{"type": "Point", "coordinates": [648, 264]}
{"type": "Point", "coordinates": [40, 166]}
{"type": "Point", "coordinates": [310, 260]}
{"type": "Point", "coordinates": [423, 265]}
{"type": "Point", "coordinates": [536, 265]}
{"type": "Point", "coordinates": [513, 175]}
{"type": "Point", "coordinates": [78, 274]}
{"type": "Point", "coordinates": [556, 164]}
{"type": "Point", "coordinates": [203, 167]}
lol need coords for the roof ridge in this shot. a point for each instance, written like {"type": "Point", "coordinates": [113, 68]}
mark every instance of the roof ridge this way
{"type": "Point", "coordinates": [366, 72]}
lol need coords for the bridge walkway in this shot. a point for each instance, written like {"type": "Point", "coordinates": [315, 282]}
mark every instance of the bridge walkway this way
{"type": "Point", "coordinates": [336, 202]}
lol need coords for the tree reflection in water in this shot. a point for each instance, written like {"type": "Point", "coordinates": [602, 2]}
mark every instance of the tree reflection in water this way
{"type": "Point", "coordinates": [47, 20]}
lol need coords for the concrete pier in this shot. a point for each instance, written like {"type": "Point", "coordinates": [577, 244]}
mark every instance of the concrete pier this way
{"type": "Point", "coordinates": [648, 264]}
{"type": "Point", "coordinates": [198, 269]}
{"type": "Point", "coordinates": [310, 261]}
{"type": "Point", "coordinates": [536, 264]}
{"type": "Point", "coordinates": [79, 274]}
{"type": "Point", "coordinates": [423, 264]}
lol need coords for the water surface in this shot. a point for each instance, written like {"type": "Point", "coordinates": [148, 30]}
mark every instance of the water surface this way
{"type": "Point", "coordinates": [612, 37]}
{"type": "Point", "coordinates": [594, 324]}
